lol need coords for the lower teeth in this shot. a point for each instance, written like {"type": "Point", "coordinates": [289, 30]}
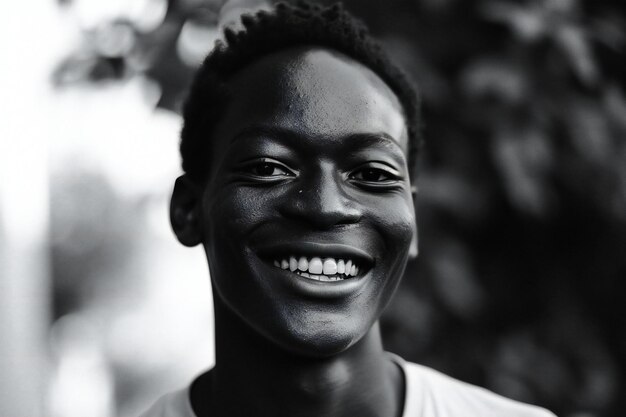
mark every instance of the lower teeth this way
{"type": "Point", "coordinates": [320, 277]}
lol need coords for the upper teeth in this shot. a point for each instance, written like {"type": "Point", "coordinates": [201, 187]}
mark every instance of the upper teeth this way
{"type": "Point", "coordinates": [319, 266]}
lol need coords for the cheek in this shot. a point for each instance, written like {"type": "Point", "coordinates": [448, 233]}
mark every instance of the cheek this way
{"type": "Point", "coordinates": [228, 215]}
{"type": "Point", "coordinates": [233, 211]}
{"type": "Point", "coordinates": [395, 220]}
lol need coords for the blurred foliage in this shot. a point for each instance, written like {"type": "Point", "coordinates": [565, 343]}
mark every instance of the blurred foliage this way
{"type": "Point", "coordinates": [522, 201]}
{"type": "Point", "coordinates": [93, 241]}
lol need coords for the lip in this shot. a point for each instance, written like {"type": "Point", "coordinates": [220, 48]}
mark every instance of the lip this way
{"type": "Point", "coordinates": [313, 288]}
{"type": "Point", "coordinates": [311, 249]}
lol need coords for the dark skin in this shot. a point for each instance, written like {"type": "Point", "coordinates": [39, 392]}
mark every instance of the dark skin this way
{"type": "Point", "coordinates": [308, 160]}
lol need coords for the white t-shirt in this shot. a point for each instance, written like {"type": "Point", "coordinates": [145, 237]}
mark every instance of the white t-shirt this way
{"type": "Point", "coordinates": [429, 393]}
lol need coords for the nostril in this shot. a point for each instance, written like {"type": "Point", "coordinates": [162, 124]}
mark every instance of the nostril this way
{"type": "Point", "coordinates": [323, 208]}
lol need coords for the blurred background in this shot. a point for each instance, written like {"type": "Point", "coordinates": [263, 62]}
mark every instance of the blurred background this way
{"type": "Point", "coordinates": [522, 200]}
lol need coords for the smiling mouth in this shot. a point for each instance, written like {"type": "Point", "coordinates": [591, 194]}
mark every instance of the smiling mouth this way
{"type": "Point", "coordinates": [318, 268]}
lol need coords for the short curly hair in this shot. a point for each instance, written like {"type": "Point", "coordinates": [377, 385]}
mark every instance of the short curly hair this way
{"type": "Point", "coordinates": [289, 25]}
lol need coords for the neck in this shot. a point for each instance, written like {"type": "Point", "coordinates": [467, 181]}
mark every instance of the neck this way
{"type": "Point", "coordinates": [253, 376]}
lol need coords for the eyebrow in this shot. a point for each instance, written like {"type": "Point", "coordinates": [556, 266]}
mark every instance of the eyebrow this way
{"type": "Point", "coordinates": [377, 139]}
{"type": "Point", "coordinates": [363, 140]}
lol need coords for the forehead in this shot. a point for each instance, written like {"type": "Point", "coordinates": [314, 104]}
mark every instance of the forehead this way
{"type": "Point", "coordinates": [313, 92]}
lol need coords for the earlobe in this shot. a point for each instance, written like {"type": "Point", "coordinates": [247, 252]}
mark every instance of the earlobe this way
{"type": "Point", "coordinates": [184, 211]}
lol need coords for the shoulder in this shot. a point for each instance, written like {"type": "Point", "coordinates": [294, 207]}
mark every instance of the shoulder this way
{"type": "Point", "coordinates": [430, 393]}
{"type": "Point", "coordinates": [174, 404]}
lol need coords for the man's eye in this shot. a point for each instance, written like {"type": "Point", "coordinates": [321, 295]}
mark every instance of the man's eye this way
{"type": "Point", "coordinates": [375, 176]}
{"type": "Point", "coordinates": [371, 175]}
{"type": "Point", "coordinates": [268, 169]}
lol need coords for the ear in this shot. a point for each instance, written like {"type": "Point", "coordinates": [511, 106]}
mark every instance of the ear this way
{"type": "Point", "coordinates": [185, 211]}
{"type": "Point", "coordinates": [413, 249]}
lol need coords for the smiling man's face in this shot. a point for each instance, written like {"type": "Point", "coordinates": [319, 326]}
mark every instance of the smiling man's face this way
{"type": "Point", "coordinates": [307, 214]}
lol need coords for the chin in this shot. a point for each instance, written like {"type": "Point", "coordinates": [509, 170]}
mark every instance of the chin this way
{"type": "Point", "coordinates": [319, 341]}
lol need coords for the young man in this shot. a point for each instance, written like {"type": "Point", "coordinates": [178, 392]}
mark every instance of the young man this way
{"type": "Point", "coordinates": [298, 150]}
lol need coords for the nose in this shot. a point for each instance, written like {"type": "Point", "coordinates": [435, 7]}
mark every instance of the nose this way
{"type": "Point", "coordinates": [322, 202]}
